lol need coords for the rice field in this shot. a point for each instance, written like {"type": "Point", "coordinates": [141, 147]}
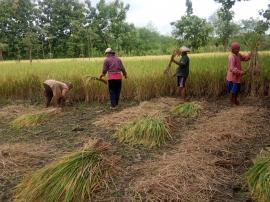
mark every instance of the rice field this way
{"type": "Point", "coordinates": [21, 80]}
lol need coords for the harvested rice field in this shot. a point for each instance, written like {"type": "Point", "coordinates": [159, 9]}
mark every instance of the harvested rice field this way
{"type": "Point", "coordinates": [197, 151]}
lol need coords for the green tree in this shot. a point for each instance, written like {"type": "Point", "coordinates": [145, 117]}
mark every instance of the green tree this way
{"type": "Point", "coordinates": [59, 20]}
{"type": "Point", "coordinates": [225, 26]}
{"type": "Point", "coordinates": [189, 10]}
{"type": "Point", "coordinates": [30, 40]}
{"type": "Point", "coordinates": [17, 18]}
{"type": "Point", "coordinates": [3, 47]}
{"type": "Point", "coordinates": [266, 14]}
{"type": "Point", "coordinates": [192, 30]}
{"type": "Point", "coordinates": [108, 22]}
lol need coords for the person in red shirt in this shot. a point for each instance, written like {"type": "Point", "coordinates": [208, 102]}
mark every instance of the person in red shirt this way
{"type": "Point", "coordinates": [114, 67]}
{"type": "Point", "coordinates": [235, 72]}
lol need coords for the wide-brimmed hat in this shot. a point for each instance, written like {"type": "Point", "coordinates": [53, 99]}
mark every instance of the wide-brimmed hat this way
{"type": "Point", "coordinates": [184, 49]}
{"type": "Point", "coordinates": [109, 50]}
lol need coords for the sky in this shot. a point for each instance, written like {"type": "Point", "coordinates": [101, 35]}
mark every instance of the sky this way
{"type": "Point", "coordinates": [161, 13]}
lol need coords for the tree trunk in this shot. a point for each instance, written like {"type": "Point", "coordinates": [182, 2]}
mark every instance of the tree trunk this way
{"type": "Point", "coordinates": [30, 54]}
{"type": "Point", "coordinates": [43, 53]}
{"type": "Point", "coordinates": [1, 54]}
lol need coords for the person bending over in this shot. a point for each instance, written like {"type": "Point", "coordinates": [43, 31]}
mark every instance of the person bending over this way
{"type": "Point", "coordinates": [57, 90]}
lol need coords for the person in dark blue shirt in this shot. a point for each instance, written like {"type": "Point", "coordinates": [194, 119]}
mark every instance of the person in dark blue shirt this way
{"type": "Point", "coordinates": [182, 70]}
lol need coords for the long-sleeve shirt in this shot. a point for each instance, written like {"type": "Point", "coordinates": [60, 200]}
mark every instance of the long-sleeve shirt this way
{"type": "Point", "coordinates": [234, 72]}
{"type": "Point", "coordinates": [114, 67]}
{"type": "Point", "coordinates": [59, 89]}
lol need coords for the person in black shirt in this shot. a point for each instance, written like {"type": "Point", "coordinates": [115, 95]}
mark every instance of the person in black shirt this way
{"type": "Point", "coordinates": [182, 70]}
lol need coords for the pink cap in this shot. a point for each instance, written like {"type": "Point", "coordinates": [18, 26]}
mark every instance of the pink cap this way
{"type": "Point", "coordinates": [235, 45]}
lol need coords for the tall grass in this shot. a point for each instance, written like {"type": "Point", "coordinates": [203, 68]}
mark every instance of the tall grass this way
{"type": "Point", "coordinates": [258, 178]}
{"type": "Point", "coordinates": [75, 178]}
{"type": "Point", "coordinates": [145, 77]}
{"type": "Point", "coordinates": [148, 131]}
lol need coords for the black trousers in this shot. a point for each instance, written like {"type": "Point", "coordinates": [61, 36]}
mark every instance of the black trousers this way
{"type": "Point", "coordinates": [48, 93]}
{"type": "Point", "coordinates": [115, 86]}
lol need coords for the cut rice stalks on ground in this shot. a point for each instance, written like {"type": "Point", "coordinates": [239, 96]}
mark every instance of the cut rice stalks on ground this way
{"type": "Point", "coordinates": [149, 131]}
{"type": "Point", "coordinates": [75, 178]}
{"type": "Point", "coordinates": [187, 110]}
{"type": "Point", "coordinates": [258, 178]}
{"type": "Point", "coordinates": [32, 119]}
{"type": "Point", "coordinates": [151, 108]}
{"type": "Point", "coordinates": [200, 169]}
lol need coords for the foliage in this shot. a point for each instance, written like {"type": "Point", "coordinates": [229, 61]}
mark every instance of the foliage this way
{"type": "Point", "coordinates": [258, 178]}
{"type": "Point", "coordinates": [251, 33]}
{"type": "Point", "coordinates": [192, 31]}
{"type": "Point", "coordinates": [148, 131]}
{"type": "Point", "coordinates": [75, 178]}
{"type": "Point", "coordinates": [266, 14]}
{"type": "Point", "coordinates": [187, 110]}
{"type": "Point", "coordinates": [224, 25]}
{"type": "Point", "coordinates": [189, 10]}
{"type": "Point", "coordinates": [73, 28]}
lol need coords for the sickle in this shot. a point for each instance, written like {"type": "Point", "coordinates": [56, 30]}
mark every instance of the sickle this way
{"type": "Point", "coordinates": [96, 78]}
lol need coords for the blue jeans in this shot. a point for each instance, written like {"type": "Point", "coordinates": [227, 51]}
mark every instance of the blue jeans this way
{"type": "Point", "coordinates": [233, 87]}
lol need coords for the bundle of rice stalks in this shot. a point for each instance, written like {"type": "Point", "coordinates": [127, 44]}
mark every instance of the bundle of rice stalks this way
{"type": "Point", "coordinates": [75, 178]}
{"type": "Point", "coordinates": [187, 110]}
{"type": "Point", "coordinates": [28, 120]}
{"type": "Point", "coordinates": [258, 179]}
{"type": "Point", "coordinates": [149, 131]}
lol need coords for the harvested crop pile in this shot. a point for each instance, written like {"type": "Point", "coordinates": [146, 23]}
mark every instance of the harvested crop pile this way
{"type": "Point", "coordinates": [258, 178]}
{"type": "Point", "coordinates": [32, 119]}
{"type": "Point", "coordinates": [187, 110]}
{"type": "Point", "coordinates": [149, 131]}
{"type": "Point", "coordinates": [75, 178]}
{"type": "Point", "coordinates": [202, 163]}
{"type": "Point", "coordinates": [152, 107]}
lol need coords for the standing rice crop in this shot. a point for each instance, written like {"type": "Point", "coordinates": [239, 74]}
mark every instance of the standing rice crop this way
{"type": "Point", "coordinates": [75, 178]}
{"type": "Point", "coordinates": [145, 77]}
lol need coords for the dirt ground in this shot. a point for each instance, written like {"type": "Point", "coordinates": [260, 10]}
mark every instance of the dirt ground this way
{"type": "Point", "coordinates": [226, 138]}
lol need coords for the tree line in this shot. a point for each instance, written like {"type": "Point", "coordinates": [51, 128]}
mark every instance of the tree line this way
{"type": "Point", "coordinates": [72, 28]}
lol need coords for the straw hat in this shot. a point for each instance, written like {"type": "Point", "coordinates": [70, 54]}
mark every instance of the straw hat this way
{"type": "Point", "coordinates": [109, 50]}
{"type": "Point", "coordinates": [184, 49]}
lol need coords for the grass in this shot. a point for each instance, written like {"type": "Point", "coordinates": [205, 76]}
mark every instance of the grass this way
{"type": "Point", "coordinates": [148, 131]}
{"type": "Point", "coordinates": [75, 178]}
{"type": "Point", "coordinates": [258, 178]}
{"type": "Point", "coordinates": [187, 110]}
{"type": "Point", "coordinates": [29, 120]}
{"type": "Point", "coordinates": [145, 77]}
